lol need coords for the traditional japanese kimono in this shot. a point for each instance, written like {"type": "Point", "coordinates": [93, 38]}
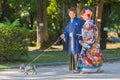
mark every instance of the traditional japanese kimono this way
{"type": "Point", "coordinates": [90, 59]}
{"type": "Point", "coordinates": [74, 48]}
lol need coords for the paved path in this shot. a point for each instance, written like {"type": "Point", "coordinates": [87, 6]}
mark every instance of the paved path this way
{"type": "Point", "coordinates": [61, 72]}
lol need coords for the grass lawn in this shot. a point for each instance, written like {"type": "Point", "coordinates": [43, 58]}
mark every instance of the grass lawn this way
{"type": "Point", "coordinates": [56, 56]}
{"type": "Point", "coordinates": [111, 53]}
{"type": "Point", "coordinates": [44, 57]}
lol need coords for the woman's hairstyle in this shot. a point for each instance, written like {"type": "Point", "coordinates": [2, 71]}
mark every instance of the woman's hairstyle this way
{"type": "Point", "coordinates": [88, 12]}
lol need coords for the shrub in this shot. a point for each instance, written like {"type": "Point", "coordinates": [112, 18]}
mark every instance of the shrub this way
{"type": "Point", "coordinates": [12, 42]}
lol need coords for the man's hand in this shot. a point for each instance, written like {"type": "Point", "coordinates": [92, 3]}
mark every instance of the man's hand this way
{"type": "Point", "coordinates": [81, 42]}
{"type": "Point", "coordinates": [62, 36]}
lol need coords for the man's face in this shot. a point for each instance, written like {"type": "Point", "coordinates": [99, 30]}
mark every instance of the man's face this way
{"type": "Point", "coordinates": [72, 14]}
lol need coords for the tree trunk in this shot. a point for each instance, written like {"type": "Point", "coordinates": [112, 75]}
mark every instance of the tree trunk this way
{"type": "Point", "coordinates": [65, 20]}
{"type": "Point", "coordinates": [31, 20]}
{"type": "Point", "coordinates": [104, 28]}
{"type": "Point", "coordinates": [98, 17]}
{"type": "Point", "coordinates": [79, 9]}
{"type": "Point", "coordinates": [0, 7]}
{"type": "Point", "coordinates": [42, 30]}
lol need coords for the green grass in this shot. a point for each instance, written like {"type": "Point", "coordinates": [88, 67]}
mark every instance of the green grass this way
{"type": "Point", "coordinates": [48, 57]}
{"type": "Point", "coordinates": [44, 57]}
{"type": "Point", "coordinates": [55, 56]}
{"type": "Point", "coordinates": [111, 53]}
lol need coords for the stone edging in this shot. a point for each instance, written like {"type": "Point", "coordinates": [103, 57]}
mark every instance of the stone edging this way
{"type": "Point", "coordinates": [58, 63]}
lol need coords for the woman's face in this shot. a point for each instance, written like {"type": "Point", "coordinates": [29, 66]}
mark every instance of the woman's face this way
{"type": "Point", "coordinates": [72, 14]}
{"type": "Point", "coordinates": [85, 17]}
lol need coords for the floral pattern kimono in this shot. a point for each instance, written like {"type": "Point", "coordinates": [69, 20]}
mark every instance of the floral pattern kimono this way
{"type": "Point", "coordinates": [91, 56]}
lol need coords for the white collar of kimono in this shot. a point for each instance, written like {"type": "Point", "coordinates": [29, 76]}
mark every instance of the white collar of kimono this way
{"type": "Point", "coordinates": [71, 20]}
{"type": "Point", "coordinates": [89, 20]}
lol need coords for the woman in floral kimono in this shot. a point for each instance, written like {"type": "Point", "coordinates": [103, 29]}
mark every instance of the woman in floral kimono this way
{"type": "Point", "coordinates": [90, 59]}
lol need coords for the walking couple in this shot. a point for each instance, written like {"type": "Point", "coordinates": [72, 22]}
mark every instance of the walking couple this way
{"type": "Point", "coordinates": [80, 35]}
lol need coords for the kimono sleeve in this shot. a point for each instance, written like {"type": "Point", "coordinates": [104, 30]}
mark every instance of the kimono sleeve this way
{"type": "Point", "coordinates": [66, 30]}
{"type": "Point", "coordinates": [79, 29]}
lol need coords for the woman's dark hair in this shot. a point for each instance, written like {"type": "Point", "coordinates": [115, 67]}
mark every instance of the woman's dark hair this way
{"type": "Point", "coordinates": [83, 10]}
{"type": "Point", "coordinates": [87, 7]}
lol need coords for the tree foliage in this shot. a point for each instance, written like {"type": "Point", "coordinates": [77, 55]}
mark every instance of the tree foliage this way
{"type": "Point", "coordinates": [25, 11]}
{"type": "Point", "coordinates": [114, 18]}
{"type": "Point", "coordinates": [54, 16]}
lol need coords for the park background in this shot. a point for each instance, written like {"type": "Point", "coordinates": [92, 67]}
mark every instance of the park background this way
{"type": "Point", "coordinates": [29, 27]}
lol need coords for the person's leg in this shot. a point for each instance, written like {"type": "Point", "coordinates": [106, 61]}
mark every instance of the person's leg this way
{"type": "Point", "coordinates": [76, 70]}
{"type": "Point", "coordinates": [73, 63]}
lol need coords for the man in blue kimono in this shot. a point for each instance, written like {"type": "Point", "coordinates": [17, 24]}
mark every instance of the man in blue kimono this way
{"type": "Point", "coordinates": [74, 27]}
